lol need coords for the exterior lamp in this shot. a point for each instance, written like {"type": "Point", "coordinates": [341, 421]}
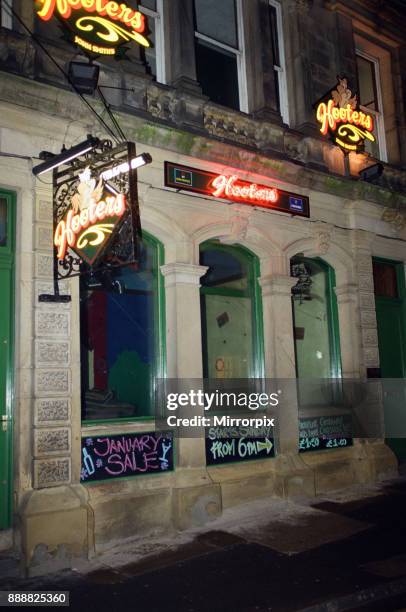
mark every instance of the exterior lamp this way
{"type": "Point", "coordinates": [66, 155]}
{"type": "Point", "coordinates": [372, 173]}
{"type": "Point", "coordinates": [84, 77]}
{"type": "Point", "coordinates": [136, 162]}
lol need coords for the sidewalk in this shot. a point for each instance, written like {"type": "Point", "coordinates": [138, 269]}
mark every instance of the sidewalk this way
{"type": "Point", "coordinates": [332, 553]}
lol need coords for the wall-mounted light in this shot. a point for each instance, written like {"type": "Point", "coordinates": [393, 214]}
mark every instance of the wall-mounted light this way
{"type": "Point", "coordinates": [137, 162]}
{"type": "Point", "coordinates": [84, 77]}
{"type": "Point", "coordinates": [66, 156]}
{"type": "Point", "coordinates": [372, 173]}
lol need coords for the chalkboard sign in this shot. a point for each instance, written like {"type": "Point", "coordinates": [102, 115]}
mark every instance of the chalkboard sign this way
{"type": "Point", "coordinates": [324, 432]}
{"type": "Point", "coordinates": [108, 457]}
{"type": "Point", "coordinates": [231, 444]}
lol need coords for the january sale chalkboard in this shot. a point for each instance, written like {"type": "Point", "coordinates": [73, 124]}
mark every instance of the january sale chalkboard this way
{"type": "Point", "coordinates": [232, 444]}
{"type": "Point", "coordinates": [324, 432]}
{"type": "Point", "coordinates": [124, 455]}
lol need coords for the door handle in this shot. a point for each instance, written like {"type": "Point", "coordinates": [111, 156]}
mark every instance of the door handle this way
{"type": "Point", "coordinates": [4, 422]}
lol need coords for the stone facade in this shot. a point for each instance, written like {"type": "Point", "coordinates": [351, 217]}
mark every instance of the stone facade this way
{"type": "Point", "coordinates": [176, 122]}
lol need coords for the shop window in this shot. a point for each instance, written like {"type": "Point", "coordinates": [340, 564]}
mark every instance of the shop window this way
{"type": "Point", "coordinates": [315, 320]}
{"type": "Point", "coordinates": [220, 60]}
{"type": "Point", "coordinates": [6, 19]}
{"type": "Point", "coordinates": [154, 56]}
{"type": "Point", "coordinates": [122, 339]}
{"type": "Point", "coordinates": [370, 99]}
{"type": "Point", "coordinates": [231, 313]}
{"type": "Point", "coordinates": [278, 54]}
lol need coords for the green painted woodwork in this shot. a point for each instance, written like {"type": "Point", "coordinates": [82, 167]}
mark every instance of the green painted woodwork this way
{"type": "Point", "coordinates": [391, 321]}
{"type": "Point", "coordinates": [7, 231]}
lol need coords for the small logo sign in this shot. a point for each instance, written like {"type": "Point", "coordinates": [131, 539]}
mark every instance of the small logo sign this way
{"type": "Point", "coordinates": [182, 177]}
{"type": "Point", "coordinates": [296, 204]}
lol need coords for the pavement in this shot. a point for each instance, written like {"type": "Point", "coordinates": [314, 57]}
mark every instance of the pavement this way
{"type": "Point", "coordinates": [345, 551]}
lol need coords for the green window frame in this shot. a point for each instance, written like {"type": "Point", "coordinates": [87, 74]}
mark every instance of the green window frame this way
{"type": "Point", "coordinates": [159, 368]}
{"type": "Point", "coordinates": [253, 291]}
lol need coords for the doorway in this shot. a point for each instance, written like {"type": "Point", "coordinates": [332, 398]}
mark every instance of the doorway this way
{"type": "Point", "coordinates": [7, 229]}
{"type": "Point", "coordinates": [389, 288]}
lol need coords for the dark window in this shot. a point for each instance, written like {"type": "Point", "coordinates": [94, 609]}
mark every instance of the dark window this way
{"type": "Point", "coordinates": [120, 340]}
{"type": "Point", "coordinates": [217, 47]}
{"type": "Point", "coordinates": [385, 280]}
{"type": "Point", "coordinates": [217, 74]}
{"type": "Point", "coordinates": [275, 51]}
{"type": "Point", "coordinates": [367, 83]}
{"type": "Point", "coordinates": [3, 222]}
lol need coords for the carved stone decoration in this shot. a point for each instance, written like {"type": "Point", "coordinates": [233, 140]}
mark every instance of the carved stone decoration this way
{"type": "Point", "coordinates": [43, 265]}
{"type": "Point", "coordinates": [301, 6]}
{"type": "Point", "coordinates": [371, 357]}
{"type": "Point", "coordinates": [44, 237]}
{"type": "Point", "coordinates": [369, 337]}
{"type": "Point", "coordinates": [366, 283]}
{"type": "Point", "coordinates": [42, 286]}
{"type": "Point", "coordinates": [367, 301]}
{"type": "Point", "coordinates": [323, 234]}
{"type": "Point", "coordinates": [239, 221]}
{"type": "Point", "coordinates": [51, 441]}
{"type": "Point", "coordinates": [51, 472]}
{"type": "Point", "coordinates": [52, 323]}
{"type": "Point", "coordinates": [51, 411]}
{"type": "Point", "coordinates": [51, 382]}
{"type": "Point", "coordinates": [51, 352]}
{"type": "Point", "coordinates": [230, 126]}
{"type": "Point", "coordinates": [44, 211]}
{"type": "Point", "coordinates": [396, 217]}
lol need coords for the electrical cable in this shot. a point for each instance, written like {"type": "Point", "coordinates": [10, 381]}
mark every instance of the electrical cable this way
{"type": "Point", "coordinates": [41, 46]}
{"type": "Point", "coordinates": [111, 115]}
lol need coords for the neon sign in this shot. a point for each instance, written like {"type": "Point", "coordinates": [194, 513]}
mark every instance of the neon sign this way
{"type": "Point", "coordinates": [98, 26]}
{"type": "Point", "coordinates": [341, 116]}
{"type": "Point", "coordinates": [231, 187]}
{"type": "Point", "coordinates": [91, 220]}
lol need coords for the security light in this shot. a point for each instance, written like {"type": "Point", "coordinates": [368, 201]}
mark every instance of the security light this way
{"type": "Point", "coordinates": [372, 173]}
{"type": "Point", "coordinates": [136, 162]}
{"type": "Point", "coordinates": [84, 77]}
{"type": "Point", "coordinates": [66, 156]}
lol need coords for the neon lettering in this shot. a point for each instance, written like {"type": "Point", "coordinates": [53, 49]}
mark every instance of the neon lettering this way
{"type": "Point", "coordinates": [231, 188]}
{"type": "Point", "coordinates": [72, 226]}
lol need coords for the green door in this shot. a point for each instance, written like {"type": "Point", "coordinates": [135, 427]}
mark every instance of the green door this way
{"type": "Point", "coordinates": [7, 209]}
{"type": "Point", "coordinates": [389, 286]}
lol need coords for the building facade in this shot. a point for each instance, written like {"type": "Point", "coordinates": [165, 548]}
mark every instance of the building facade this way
{"type": "Point", "coordinates": [227, 89]}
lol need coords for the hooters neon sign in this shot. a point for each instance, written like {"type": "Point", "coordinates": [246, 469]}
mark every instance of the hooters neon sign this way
{"type": "Point", "coordinates": [231, 188]}
{"type": "Point", "coordinates": [342, 118]}
{"type": "Point", "coordinates": [91, 220]}
{"type": "Point", "coordinates": [99, 26]}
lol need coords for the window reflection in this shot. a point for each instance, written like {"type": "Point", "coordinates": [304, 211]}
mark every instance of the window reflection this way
{"type": "Point", "coordinates": [3, 222]}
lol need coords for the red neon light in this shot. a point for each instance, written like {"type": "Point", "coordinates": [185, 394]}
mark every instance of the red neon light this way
{"type": "Point", "coordinates": [231, 188]}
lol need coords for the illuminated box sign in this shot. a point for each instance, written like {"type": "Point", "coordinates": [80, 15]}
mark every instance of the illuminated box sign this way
{"type": "Point", "coordinates": [98, 26]}
{"type": "Point", "coordinates": [324, 432]}
{"type": "Point", "coordinates": [125, 455]}
{"type": "Point", "coordinates": [89, 223]}
{"type": "Point", "coordinates": [340, 116]}
{"type": "Point", "coordinates": [236, 444]}
{"type": "Point", "coordinates": [230, 187]}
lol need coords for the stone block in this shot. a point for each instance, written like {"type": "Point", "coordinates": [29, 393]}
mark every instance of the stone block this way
{"type": "Point", "coordinates": [52, 323]}
{"type": "Point", "coordinates": [52, 382]}
{"type": "Point", "coordinates": [51, 472]}
{"type": "Point", "coordinates": [52, 441]}
{"type": "Point", "coordinates": [193, 506]}
{"type": "Point", "coordinates": [51, 411]}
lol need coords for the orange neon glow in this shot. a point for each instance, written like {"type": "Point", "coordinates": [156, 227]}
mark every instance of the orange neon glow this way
{"type": "Point", "coordinates": [329, 115]}
{"type": "Point", "coordinates": [230, 187]}
{"type": "Point", "coordinates": [74, 226]}
{"type": "Point", "coordinates": [102, 24]}
{"type": "Point", "coordinates": [119, 12]}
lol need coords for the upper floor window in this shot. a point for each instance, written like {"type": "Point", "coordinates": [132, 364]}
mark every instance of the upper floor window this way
{"type": "Point", "coordinates": [278, 54]}
{"type": "Point", "coordinates": [220, 58]}
{"type": "Point", "coordinates": [6, 19]}
{"type": "Point", "coordinates": [370, 98]}
{"type": "Point", "coordinates": [154, 56]}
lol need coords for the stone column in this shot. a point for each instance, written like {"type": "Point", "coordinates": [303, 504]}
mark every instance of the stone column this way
{"type": "Point", "coordinates": [347, 302]}
{"type": "Point", "coordinates": [280, 353]}
{"type": "Point", "coordinates": [195, 498]}
{"type": "Point", "coordinates": [182, 70]}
